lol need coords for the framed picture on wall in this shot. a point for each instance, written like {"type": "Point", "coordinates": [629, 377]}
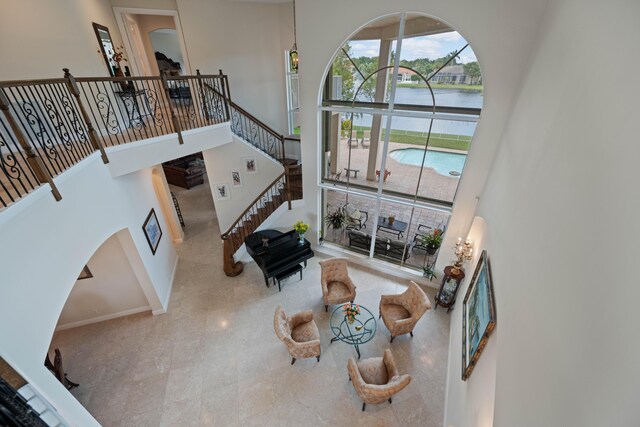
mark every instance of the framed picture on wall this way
{"type": "Point", "coordinates": [152, 231]}
{"type": "Point", "coordinates": [250, 165]}
{"type": "Point", "coordinates": [478, 315]}
{"type": "Point", "coordinates": [221, 191]}
{"type": "Point", "coordinates": [236, 179]}
{"type": "Point", "coordinates": [85, 273]}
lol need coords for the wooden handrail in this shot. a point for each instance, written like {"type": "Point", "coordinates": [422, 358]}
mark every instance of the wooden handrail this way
{"type": "Point", "coordinates": [235, 223]}
{"type": "Point", "coordinates": [13, 83]}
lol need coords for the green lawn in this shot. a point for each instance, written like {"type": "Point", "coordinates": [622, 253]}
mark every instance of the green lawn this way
{"type": "Point", "coordinates": [443, 86]}
{"type": "Point", "coordinates": [437, 140]}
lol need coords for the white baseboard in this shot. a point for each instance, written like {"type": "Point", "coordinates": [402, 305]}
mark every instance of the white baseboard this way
{"type": "Point", "coordinates": [165, 303]}
{"type": "Point", "coordinates": [102, 318]}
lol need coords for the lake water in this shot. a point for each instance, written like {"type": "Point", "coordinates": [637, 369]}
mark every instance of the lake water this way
{"type": "Point", "coordinates": [422, 96]}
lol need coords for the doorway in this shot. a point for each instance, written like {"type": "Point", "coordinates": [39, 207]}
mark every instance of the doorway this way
{"type": "Point", "coordinates": [153, 38]}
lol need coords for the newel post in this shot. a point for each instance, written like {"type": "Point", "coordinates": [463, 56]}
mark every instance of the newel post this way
{"type": "Point", "coordinates": [93, 135]}
{"type": "Point", "coordinates": [35, 162]}
{"type": "Point", "coordinates": [174, 118]}
{"type": "Point", "coordinates": [230, 266]}
{"type": "Point", "coordinates": [202, 97]}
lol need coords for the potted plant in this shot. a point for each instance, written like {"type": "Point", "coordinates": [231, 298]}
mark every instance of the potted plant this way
{"type": "Point", "coordinates": [301, 228]}
{"type": "Point", "coordinates": [335, 219]}
{"type": "Point", "coordinates": [350, 312]}
{"type": "Point", "coordinates": [345, 126]}
{"type": "Point", "coordinates": [429, 272]}
{"type": "Point", "coordinates": [432, 241]}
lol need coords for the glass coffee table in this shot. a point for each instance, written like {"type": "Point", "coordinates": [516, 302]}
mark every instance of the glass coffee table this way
{"type": "Point", "coordinates": [359, 332]}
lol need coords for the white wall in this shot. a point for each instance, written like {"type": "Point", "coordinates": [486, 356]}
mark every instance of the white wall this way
{"type": "Point", "coordinates": [40, 37]}
{"type": "Point", "coordinates": [244, 40]}
{"type": "Point", "coordinates": [113, 291]}
{"type": "Point", "coordinates": [471, 402]}
{"type": "Point", "coordinates": [221, 161]}
{"type": "Point", "coordinates": [562, 207]}
{"type": "Point", "coordinates": [51, 242]}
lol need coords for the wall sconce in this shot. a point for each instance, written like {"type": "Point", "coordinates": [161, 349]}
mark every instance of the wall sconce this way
{"type": "Point", "coordinates": [463, 253]}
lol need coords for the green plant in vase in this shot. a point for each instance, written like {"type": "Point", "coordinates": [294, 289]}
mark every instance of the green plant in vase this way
{"type": "Point", "coordinates": [301, 228]}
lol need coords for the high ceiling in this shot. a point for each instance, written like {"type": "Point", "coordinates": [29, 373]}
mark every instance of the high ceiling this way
{"type": "Point", "coordinates": [415, 25]}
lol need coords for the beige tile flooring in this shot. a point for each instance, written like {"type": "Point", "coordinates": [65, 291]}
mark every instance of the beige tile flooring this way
{"type": "Point", "coordinates": [214, 359]}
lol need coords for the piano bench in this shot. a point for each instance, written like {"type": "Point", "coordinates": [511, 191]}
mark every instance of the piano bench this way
{"type": "Point", "coordinates": [288, 273]}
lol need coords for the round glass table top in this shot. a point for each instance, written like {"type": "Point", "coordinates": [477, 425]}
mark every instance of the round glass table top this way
{"type": "Point", "coordinates": [360, 331]}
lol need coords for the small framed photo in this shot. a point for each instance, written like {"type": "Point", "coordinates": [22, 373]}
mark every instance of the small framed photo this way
{"type": "Point", "coordinates": [222, 191]}
{"type": "Point", "coordinates": [236, 179]}
{"type": "Point", "coordinates": [250, 165]}
{"type": "Point", "coordinates": [85, 273]}
{"type": "Point", "coordinates": [152, 231]}
{"type": "Point", "coordinates": [478, 315]}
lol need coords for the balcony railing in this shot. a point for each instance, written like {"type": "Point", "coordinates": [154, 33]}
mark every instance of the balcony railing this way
{"type": "Point", "coordinates": [47, 126]}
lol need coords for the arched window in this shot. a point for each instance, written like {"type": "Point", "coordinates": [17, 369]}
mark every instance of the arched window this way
{"type": "Point", "coordinates": [400, 105]}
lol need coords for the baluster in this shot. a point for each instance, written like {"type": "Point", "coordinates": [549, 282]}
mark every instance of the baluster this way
{"type": "Point", "coordinates": [174, 119]}
{"type": "Point", "coordinates": [226, 94]}
{"type": "Point", "coordinates": [93, 137]}
{"type": "Point", "coordinates": [34, 161]}
{"type": "Point", "coordinates": [202, 97]}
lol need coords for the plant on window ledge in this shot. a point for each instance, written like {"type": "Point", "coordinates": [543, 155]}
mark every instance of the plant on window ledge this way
{"type": "Point", "coordinates": [429, 272]}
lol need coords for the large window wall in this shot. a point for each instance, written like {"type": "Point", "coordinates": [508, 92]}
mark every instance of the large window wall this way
{"type": "Point", "coordinates": [395, 143]}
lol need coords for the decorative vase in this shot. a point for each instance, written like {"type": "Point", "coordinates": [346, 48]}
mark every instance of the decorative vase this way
{"type": "Point", "coordinates": [351, 319]}
{"type": "Point", "coordinates": [301, 236]}
{"type": "Point", "coordinates": [432, 249]}
{"type": "Point", "coordinates": [391, 219]}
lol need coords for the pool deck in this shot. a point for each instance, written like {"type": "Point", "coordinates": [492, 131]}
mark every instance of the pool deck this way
{"type": "Point", "coordinates": [403, 178]}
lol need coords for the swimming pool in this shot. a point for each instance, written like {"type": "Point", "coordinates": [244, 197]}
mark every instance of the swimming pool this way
{"type": "Point", "coordinates": [441, 161]}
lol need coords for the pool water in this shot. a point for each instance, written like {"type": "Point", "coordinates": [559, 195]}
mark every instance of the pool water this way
{"type": "Point", "coordinates": [441, 161]}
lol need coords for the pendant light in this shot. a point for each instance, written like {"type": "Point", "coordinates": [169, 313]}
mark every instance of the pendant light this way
{"type": "Point", "coordinates": [293, 53]}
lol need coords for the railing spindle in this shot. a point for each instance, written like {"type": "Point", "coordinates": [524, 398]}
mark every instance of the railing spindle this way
{"type": "Point", "coordinates": [73, 88]}
{"type": "Point", "coordinates": [174, 119]}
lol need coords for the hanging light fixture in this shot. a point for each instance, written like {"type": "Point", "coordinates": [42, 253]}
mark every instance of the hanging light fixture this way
{"type": "Point", "coordinates": [293, 53]}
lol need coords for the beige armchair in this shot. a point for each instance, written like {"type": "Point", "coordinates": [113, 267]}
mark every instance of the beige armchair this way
{"type": "Point", "coordinates": [337, 286]}
{"type": "Point", "coordinates": [400, 313]}
{"type": "Point", "coordinates": [376, 379]}
{"type": "Point", "coordinates": [299, 333]}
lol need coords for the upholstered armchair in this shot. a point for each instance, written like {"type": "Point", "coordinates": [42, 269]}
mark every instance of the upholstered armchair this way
{"type": "Point", "coordinates": [376, 379]}
{"type": "Point", "coordinates": [337, 286]}
{"type": "Point", "coordinates": [299, 333]}
{"type": "Point", "coordinates": [400, 313]}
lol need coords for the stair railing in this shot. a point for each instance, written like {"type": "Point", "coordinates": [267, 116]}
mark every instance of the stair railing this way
{"type": "Point", "coordinates": [49, 125]}
{"type": "Point", "coordinates": [274, 195]}
{"type": "Point", "coordinates": [251, 129]}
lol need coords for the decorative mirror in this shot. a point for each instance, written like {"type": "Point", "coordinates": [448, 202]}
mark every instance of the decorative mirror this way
{"type": "Point", "coordinates": [106, 46]}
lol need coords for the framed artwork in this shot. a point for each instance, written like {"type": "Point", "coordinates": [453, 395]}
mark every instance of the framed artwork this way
{"type": "Point", "coordinates": [236, 179]}
{"type": "Point", "coordinates": [250, 165]}
{"type": "Point", "coordinates": [222, 191]}
{"type": "Point", "coordinates": [85, 273]}
{"type": "Point", "coordinates": [152, 231]}
{"type": "Point", "coordinates": [478, 315]}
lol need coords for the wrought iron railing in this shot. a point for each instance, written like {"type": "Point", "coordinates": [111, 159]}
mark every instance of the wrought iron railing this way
{"type": "Point", "coordinates": [251, 129]}
{"type": "Point", "coordinates": [49, 125]}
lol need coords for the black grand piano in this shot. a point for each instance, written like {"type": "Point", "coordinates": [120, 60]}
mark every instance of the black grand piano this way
{"type": "Point", "coordinates": [282, 252]}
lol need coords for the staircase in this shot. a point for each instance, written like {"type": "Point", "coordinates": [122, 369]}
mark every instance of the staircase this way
{"type": "Point", "coordinates": [284, 189]}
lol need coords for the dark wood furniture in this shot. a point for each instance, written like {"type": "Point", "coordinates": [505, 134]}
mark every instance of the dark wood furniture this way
{"type": "Point", "coordinates": [446, 296]}
{"type": "Point", "coordinates": [396, 227]}
{"type": "Point", "coordinates": [394, 250]}
{"type": "Point", "coordinates": [283, 251]}
{"type": "Point", "coordinates": [355, 172]}
{"type": "Point", "coordinates": [184, 172]}
{"type": "Point", "coordinates": [287, 273]}
{"type": "Point", "coordinates": [58, 370]}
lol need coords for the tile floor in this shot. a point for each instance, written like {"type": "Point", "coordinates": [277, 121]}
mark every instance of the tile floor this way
{"type": "Point", "coordinates": [214, 359]}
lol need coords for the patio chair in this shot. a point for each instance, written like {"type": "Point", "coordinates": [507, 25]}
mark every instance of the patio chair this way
{"type": "Point", "coordinates": [356, 219]}
{"type": "Point", "coordinates": [353, 142]}
{"type": "Point", "coordinates": [366, 139]}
